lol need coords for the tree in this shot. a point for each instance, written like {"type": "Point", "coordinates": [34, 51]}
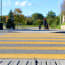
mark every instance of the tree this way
{"type": "Point", "coordinates": [37, 16]}
{"type": "Point", "coordinates": [19, 18]}
{"type": "Point", "coordinates": [11, 16]}
{"type": "Point", "coordinates": [52, 19]}
{"type": "Point", "coordinates": [29, 21]}
{"type": "Point", "coordinates": [10, 24]}
{"type": "Point", "coordinates": [57, 20]}
{"type": "Point", "coordinates": [3, 19]}
{"type": "Point", "coordinates": [17, 11]}
{"type": "Point", "coordinates": [39, 22]}
{"type": "Point", "coordinates": [51, 14]}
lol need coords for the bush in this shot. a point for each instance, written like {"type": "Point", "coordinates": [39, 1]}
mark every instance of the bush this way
{"type": "Point", "coordinates": [38, 22]}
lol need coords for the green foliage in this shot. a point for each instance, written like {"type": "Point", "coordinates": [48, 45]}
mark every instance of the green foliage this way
{"type": "Point", "coordinates": [58, 27]}
{"type": "Point", "coordinates": [51, 14]}
{"type": "Point", "coordinates": [35, 20]}
{"type": "Point", "coordinates": [57, 20]}
{"type": "Point", "coordinates": [17, 11]}
{"type": "Point", "coordinates": [11, 15]}
{"type": "Point", "coordinates": [37, 16]}
{"type": "Point", "coordinates": [10, 24]}
{"type": "Point", "coordinates": [4, 19]}
{"type": "Point", "coordinates": [29, 21]}
{"type": "Point", "coordinates": [38, 22]}
{"type": "Point", "coordinates": [63, 24]}
{"type": "Point", "coordinates": [52, 19]}
{"type": "Point", "coordinates": [19, 18]}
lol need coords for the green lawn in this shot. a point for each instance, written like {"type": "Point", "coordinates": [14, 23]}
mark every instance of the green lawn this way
{"type": "Point", "coordinates": [63, 24]}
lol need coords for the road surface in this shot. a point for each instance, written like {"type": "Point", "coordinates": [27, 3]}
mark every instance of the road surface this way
{"type": "Point", "coordinates": [32, 45]}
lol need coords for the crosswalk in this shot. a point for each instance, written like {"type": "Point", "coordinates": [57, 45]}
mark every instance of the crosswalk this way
{"type": "Point", "coordinates": [32, 45]}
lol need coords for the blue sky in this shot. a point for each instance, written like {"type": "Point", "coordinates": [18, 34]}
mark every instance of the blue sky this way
{"type": "Point", "coordinates": [29, 7]}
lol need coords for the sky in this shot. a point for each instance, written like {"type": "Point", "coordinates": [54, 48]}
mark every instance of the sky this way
{"type": "Point", "coordinates": [29, 7]}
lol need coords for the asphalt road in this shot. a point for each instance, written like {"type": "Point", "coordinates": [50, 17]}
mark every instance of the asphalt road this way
{"type": "Point", "coordinates": [30, 45]}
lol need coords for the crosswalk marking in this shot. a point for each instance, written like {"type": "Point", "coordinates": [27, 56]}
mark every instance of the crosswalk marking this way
{"type": "Point", "coordinates": [34, 48]}
{"type": "Point", "coordinates": [32, 45]}
{"type": "Point", "coordinates": [6, 42]}
{"type": "Point", "coordinates": [32, 35]}
{"type": "Point", "coordinates": [32, 56]}
{"type": "Point", "coordinates": [31, 39]}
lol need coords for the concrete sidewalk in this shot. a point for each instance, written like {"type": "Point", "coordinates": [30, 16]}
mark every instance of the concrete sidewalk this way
{"type": "Point", "coordinates": [32, 31]}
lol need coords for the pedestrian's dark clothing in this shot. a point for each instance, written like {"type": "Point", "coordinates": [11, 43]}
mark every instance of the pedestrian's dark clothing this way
{"type": "Point", "coordinates": [36, 62]}
{"type": "Point", "coordinates": [40, 27]}
{"type": "Point", "coordinates": [46, 24]}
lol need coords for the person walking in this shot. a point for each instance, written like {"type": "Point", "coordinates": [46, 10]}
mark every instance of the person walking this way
{"type": "Point", "coordinates": [39, 26]}
{"type": "Point", "coordinates": [46, 26]}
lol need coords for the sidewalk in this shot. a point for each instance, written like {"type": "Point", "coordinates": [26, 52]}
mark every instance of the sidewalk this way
{"type": "Point", "coordinates": [32, 31]}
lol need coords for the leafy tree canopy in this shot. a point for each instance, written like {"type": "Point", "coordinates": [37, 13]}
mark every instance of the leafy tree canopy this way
{"type": "Point", "coordinates": [51, 14]}
{"type": "Point", "coordinates": [11, 15]}
{"type": "Point", "coordinates": [37, 16]}
{"type": "Point", "coordinates": [17, 11]}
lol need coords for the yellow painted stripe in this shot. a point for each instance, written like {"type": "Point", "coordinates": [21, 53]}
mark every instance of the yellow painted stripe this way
{"type": "Point", "coordinates": [31, 35]}
{"type": "Point", "coordinates": [32, 42]}
{"type": "Point", "coordinates": [28, 39]}
{"type": "Point", "coordinates": [28, 35]}
{"type": "Point", "coordinates": [35, 33]}
{"type": "Point", "coordinates": [33, 56]}
{"type": "Point", "coordinates": [34, 48]}
{"type": "Point", "coordinates": [34, 36]}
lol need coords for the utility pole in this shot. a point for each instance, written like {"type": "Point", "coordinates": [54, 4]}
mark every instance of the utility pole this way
{"type": "Point", "coordinates": [1, 10]}
{"type": "Point", "coordinates": [1, 24]}
{"type": "Point", "coordinates": [60, 12]}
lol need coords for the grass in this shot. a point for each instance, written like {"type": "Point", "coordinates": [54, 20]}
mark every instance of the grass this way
{"type": "Point", "coordinates": [55, 27]}
{"type": "Point", "coordinates": [58, 27]}
{"type": "Point", "coordinates": [31, 25]}
{"type": "Point", "coordinates": [63, 24]}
